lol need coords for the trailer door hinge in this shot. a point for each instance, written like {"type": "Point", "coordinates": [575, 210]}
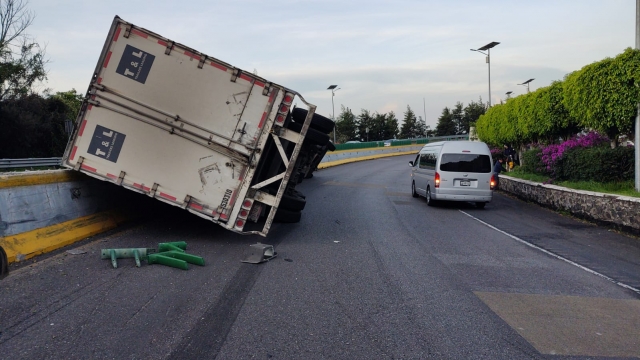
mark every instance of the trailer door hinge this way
{"type": "Point", "coordinates": [236, 73]}
{"type": "Point", "coordinates": [167, 50]}
{"type": "Point", "coordinates": [79, 163]}
{"type": "Point", "coordinates": [153, 190]}
{"type": "Point", "coordinates": [120, 178]}
{"type": "Point", "coordinates": [267, 88]}
{"type": "Point", "coordinates": [186, 202]}
{"type": "Point", "coordinates": [127, 32]}
{"type": "Point", "coordinates": [203, 58]}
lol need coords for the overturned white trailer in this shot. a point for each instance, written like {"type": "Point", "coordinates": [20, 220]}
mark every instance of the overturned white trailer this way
{"type": "Point", "coordinates": [168, 121]}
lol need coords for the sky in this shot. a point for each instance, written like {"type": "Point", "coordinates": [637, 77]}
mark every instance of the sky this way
{"type": "Point", "coordinates": [383, 55]}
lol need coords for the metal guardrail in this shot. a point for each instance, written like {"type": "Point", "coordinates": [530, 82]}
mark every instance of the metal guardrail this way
{"type": "Point", "coordinates": [400, 142]}
{"type": "Point", "coordinates": [29, 163]}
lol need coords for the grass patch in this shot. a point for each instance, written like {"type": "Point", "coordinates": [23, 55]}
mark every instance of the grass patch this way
{"type": "Point", "coordinates": [624, 188]}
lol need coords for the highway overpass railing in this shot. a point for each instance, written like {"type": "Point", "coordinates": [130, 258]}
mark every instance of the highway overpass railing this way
{"type": "Point", "coordinates": [29, 163]}
{"type": "Point", "coordinates": [399, 142]}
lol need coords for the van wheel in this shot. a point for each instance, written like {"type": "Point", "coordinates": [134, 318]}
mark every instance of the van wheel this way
{"type": "Point", "coordinates": [430, 201]}
{"type": "Point", "coordinates": [480, 205]}
{"type": "Point", "coordinates": [413, 189]}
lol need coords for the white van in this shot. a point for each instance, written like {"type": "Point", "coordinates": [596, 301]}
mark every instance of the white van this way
{"type": "Point", "coordinates": [453, 171]}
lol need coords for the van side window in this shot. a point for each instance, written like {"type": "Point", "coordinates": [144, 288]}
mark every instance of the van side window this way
{"type": "Point", "coordinates": [423, 161]}
{"type": "Point", "coordinates": [428, 161]}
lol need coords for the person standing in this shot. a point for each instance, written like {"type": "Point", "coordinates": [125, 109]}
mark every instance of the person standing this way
{"type": "Point", "coordinates": [497, 168]}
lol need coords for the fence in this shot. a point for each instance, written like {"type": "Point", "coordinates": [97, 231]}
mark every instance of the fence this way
{"type": "Point", "coordinates": [399, 142]}
{"type": "Point", "coordinates": [29, 163]}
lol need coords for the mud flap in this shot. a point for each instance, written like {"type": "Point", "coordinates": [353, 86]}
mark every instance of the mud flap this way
{"type": "Point", "coordinates": [260, 253]}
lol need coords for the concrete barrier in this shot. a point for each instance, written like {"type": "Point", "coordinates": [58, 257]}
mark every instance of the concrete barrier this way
{"type": "Point", "coordinates": [335, 158]}
{"type": "Point", "coordinates": [45, 210]}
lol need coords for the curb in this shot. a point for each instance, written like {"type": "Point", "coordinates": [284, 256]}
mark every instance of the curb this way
{"type": "Point", "coordinates": [363, 158]}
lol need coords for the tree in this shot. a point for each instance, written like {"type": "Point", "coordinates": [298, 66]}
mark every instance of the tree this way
{"type": "Point", "coordinates": [472, 113]}
{"type": "Point", "coordinates": [365, 121]}
{"type": "Point", "coordinates": [446, 125]}
{"type": "Point", "coordinates": [21, 60]}
{"type": "Point", "coordinates": [410, 127]}
{"type": "Point", "coordinates": [391, 126]}
{"type": "Point", "coordinates": [457, 113]}
{"type": "Point", "coordinates": [346, 126]}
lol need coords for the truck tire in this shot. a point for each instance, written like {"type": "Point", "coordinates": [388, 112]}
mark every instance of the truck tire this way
{"type": "Point", "coordinates": [318, 122]}
{"type": "Point", "coordinates": [287, 216]}
{"type": "Point", "coordinates": [313, 136]}
{"type": "Point", "coordinates": [293, 203]}
{"type": "Point", "coordinates": [4, 264]}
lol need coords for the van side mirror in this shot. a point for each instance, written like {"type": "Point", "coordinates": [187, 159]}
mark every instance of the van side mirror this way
{"type": "Point", "coordinates": [410, 163]}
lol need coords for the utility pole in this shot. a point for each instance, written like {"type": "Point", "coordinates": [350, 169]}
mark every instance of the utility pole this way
{"type": "Point", "coordinates": [636, 140]}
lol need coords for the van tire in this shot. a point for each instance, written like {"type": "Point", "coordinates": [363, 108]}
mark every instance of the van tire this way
{"type": "Point", "coordinates": [430, 201]}
{"type": "Point", "coordinates": [287, 216]}
{"type": "Point", "coordinates": [294, 203]}
{"type": "Point", "coordinates": [413, 190]}
{"type": "Point", "coordinates": [318, 122]}
{"type": "Point", "coordinates": [480, 205]}
{"type": "Point", "coordinates": [313, 136]}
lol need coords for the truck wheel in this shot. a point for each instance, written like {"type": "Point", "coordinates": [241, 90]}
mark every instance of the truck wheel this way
{"type": "Point", "coordinates": [4, 264]}
{"type": "Point", "coordinates": [290, 202]}
{"type": "Point", "coordinates": [318, 121]}
{"type": "Point", "coordinates": [313, 136]}
{"type": "Point", "coordinates": [287, 216]}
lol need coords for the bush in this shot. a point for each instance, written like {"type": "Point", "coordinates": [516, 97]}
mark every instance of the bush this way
{"type": "Point", "coordinates": [599, 164]}
{"type": "Point", "coordinates": [531, 161]}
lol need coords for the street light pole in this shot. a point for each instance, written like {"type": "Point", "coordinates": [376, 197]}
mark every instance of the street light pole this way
{"type": "Point", "coordinates": [636, 139]}
{"type": "Point", "coordinates": [333, 93]}
{"type": "Point", "coordinates": [488, 55]}
{"type": "Point", "coordinates": [527, 83]}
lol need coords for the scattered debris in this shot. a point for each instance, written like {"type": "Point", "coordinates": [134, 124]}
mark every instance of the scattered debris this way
{"type": "Point", "coordinates": [76, 251]}
{"type": "Point", "coordinates": [260, 253]}
{"type": "Point", "coordinates": [136, 253]}
{"type": "Point", "coordinates": [170, 254]}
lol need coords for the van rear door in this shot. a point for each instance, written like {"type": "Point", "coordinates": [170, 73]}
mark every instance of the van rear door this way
{"type": "Point", "coordinates": [465, 173]}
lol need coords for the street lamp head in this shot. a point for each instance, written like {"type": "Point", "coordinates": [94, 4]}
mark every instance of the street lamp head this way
{"type": "Point", "coordinates": [332, 87]}
{"type": "Point", "coordinates": [489, 45]}
{"type": "Point", "coordinates": [526, 82]}
{"type": "Point", "coordinates": [509, 92]}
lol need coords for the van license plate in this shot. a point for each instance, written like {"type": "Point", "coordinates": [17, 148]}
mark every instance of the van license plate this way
{"type": "Point", "coordinates": [465, 183]}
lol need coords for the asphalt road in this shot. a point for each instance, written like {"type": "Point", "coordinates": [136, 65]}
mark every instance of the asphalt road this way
{"type": "Point", "coordinates": [369, 273]}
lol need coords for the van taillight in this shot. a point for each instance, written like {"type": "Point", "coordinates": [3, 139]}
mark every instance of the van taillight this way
{"type": "Point", "coordinates": [437, 180]}
{"type": "Point", "coordinates": [493, 182]}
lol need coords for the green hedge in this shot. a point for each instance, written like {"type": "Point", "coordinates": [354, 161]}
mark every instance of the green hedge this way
{"type": "Point", "coordinates": [602, 96]}
{"type": "Point", "coordinates": [531, 161]}
{"type": "Point", "coordinates": [599, 164]}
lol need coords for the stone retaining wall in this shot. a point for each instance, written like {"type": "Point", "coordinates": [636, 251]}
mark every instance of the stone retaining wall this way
{"type": "Point", "coordinates": [621, 212]}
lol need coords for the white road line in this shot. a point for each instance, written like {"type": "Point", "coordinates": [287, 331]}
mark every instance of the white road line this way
{"type": "Point", "coordinates": [554, 255]}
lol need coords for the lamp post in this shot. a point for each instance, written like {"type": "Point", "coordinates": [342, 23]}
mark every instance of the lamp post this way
{"type": "Point", "coordinates": [636, 139]}
{"type": "Point", "coordinates": [509, 94]}
{"type": "Point", "coordinates": [488, 55]}
{"type": "Point", "coordinates": [527, 83]}
{"type": "Point", "coordinates": [333, 93]}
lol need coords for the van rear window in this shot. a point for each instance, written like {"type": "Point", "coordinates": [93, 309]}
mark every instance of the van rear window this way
{"type": "Point", "coordinates": [468, 163]}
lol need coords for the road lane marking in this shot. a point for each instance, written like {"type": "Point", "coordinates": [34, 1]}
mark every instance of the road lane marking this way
{"type": "Point", "coordinates": [555, 255]}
